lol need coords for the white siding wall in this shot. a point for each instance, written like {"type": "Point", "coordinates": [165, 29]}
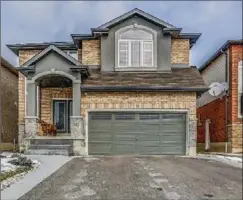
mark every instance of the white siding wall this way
{"type": "Point", "coordinates": [215, 72]}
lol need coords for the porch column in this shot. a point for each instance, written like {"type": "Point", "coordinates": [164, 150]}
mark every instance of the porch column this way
{"type": "Point", "coordinates": [31, 126]}
{"type": "Point", "coordinates": [31, 99]}
{"type": "Point", "coordinates": [76, 99]}
{"type": "Point", "coordinates": [77, 130]}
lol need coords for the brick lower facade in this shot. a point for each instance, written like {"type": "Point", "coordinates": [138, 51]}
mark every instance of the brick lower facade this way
{"type": "Point", "coordinates": [139, 100]}
{"type": "Point", "coordinates": [215, 111]}
{"type": "Point", "coordinates": [9, 105]}
{"type": "Point", "coordinates": [185, 101]}
{"type": "Point", "coordinates": [235, 137]}
{"type": "Point", "coordinates": [144, 100]}
{"type": "Point", "coordinates": [46, 98]}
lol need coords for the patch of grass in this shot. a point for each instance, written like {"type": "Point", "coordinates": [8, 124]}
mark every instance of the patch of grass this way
{"type": "Point", "coordinates": [8, 174]}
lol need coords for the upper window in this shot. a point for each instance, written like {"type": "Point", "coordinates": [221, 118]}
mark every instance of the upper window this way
{"type": "Point", "coordinates": [240, 88]}
{"type": "Point", "coordinates": [135, 48]}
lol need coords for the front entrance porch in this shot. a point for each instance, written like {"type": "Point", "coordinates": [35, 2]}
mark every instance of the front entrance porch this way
{"type": "Point", "coordinates": [53, 121]}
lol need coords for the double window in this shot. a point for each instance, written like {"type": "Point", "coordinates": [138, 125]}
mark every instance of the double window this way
{"type": "Point", "coordinates": [135, 48]}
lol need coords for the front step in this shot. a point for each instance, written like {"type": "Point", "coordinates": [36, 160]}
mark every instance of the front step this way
{"type": "Point", "coordinates": [50, 147]}
{"type": "Point", "coordinates": [65, 150]}
{"type": "Point", "coordinates": [51, 142]}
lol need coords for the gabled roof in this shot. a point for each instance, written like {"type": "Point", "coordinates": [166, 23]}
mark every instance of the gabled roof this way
{"type": "Point", "coordinates": [46, 51]}
{"type": "Point", "coordinates": [8, 66]}
{"type": "Point", "coordinates": [219, 52]}
{"type": "Point", "coordinates": [133, 12]}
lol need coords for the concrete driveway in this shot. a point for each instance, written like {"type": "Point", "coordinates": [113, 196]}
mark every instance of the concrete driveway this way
{"type": "Point", "coordinates": [142, 178]}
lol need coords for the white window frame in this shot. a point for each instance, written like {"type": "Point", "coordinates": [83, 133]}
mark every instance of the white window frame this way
{"type": "Point", "coordinates": [240, 82]}
{"type": "Point", "coordinates": [130, 53]}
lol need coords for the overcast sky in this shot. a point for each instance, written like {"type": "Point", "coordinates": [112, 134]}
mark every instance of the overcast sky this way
{"type": "Point", "coordinates": [24, 22]}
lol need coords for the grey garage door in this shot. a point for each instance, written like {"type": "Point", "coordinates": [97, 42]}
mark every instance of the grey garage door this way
{"type": "Point", "coordinates": [120, 133]}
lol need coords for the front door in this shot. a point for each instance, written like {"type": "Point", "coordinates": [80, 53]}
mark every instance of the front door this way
{"type": "Point", "coordinates": [62, 110]}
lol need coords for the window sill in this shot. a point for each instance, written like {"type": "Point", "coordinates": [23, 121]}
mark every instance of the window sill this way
{"type": "Point", "coordinates": [135, 69]}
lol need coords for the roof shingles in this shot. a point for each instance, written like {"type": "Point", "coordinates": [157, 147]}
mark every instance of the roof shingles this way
{"type": "Point", "coordinates": [178, 78]}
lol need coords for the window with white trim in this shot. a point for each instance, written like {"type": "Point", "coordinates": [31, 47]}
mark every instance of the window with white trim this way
{"type": "Point", "coordinates": [135, 48]}
{"type": "Point", "coordinates": [240, 88]}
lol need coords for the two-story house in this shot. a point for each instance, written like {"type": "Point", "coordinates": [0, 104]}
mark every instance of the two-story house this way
{"type": "Point", "coordinates": [223, 112]}
{"type": "Point", "coordinates": [8, 105]}
{"type": "Point", "coordinates": [126, 88]}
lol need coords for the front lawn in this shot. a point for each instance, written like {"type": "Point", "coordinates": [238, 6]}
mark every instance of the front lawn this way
{"type": "Point", "coordinates": [14, 167]}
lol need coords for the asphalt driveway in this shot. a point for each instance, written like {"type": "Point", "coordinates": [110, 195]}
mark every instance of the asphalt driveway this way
{"type": "Point", "coordinates": [142, 178]}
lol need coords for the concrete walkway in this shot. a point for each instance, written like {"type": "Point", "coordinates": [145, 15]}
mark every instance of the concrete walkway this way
{"type": "Point", "coordinates": [49, 164]}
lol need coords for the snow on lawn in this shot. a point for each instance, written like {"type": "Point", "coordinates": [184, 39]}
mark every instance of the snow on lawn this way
{"type": "Point", "coordinates": [229, 158]}
{"type": "Point", "coordinates": [8, 167]}
{"type": "Point", "coordinates": [232, 160]}
{"type": "Point", "coordinates": [5, 166]}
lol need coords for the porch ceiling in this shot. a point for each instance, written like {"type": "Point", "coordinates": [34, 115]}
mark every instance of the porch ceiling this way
{"type": "Point", "coordinates": [54, 81]}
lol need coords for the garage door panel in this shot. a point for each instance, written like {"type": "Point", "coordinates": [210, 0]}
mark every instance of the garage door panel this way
{"type": "Point", "coordinates": [146, 126]}
{"type": "Point", "coordinates": [131, 132]}
{"type": "Point", "coordinates": [100, 125]}
{"type": "Point", "coordinates": [100, 148]}
{"type": "Point", "coordinates": [125, 137]}
{"type": "Point", "coordinates": [173, 127]}
{"type": "Point", "coordinates": [150, 137]}
{"type": "Point", "coordinates": [149, 150]}
{"type": "Point", "coordinates": [173, 150]}
{"type": "Point", "coordinates": [123, 148]}
{"type": "Point", "coordinates": [147, 143]}
{"type": "Point", "coordinates": [124, 126]}
{"type": "Point", "coordinates": [178, 137]}
{"type": "Point", "coordinates": [101, 137]}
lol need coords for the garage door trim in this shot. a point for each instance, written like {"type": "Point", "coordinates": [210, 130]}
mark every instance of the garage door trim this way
{"type": "Point", "coordinates": [182, 111]}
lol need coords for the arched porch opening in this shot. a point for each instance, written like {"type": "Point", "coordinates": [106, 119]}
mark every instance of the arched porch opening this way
{"type": "Point", "coordinates": [53, 101]}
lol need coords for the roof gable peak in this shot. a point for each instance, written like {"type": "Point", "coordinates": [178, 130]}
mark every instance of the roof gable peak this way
{"type": "Point", "coordinates": [136, 11]}
{"type": "Point", "coordinates": [46, 51]}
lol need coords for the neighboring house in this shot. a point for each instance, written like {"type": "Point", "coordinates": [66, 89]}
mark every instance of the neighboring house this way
{"type": "Point", "coordinates": [215, 108]}
{"type": "Point", "coordinates": [9, 105]}
{"type": "Point", "coordinates": [125, 88]}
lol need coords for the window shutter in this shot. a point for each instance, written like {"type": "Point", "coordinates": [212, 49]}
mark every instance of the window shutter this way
{"type": "Point", "coordinates": [135, 53]}
{"type": "Point", "coordinates": [123, 53]}
{"type": "Point", "coordinates": [147, 53]}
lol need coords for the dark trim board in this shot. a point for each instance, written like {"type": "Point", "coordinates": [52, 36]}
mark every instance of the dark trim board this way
{"type": "Point", "coordinates": [139, 88]}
